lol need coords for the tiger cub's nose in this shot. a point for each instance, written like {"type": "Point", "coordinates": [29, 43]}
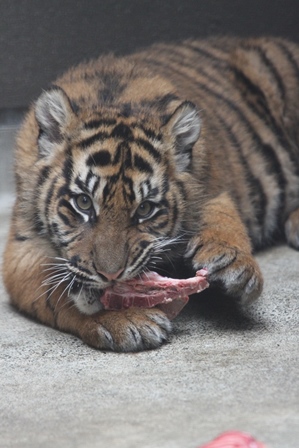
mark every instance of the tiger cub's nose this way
{"type": "Point", "coordinates": [109, 276]}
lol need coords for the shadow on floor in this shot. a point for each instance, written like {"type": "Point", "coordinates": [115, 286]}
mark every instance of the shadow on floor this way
{"type": "Point", "coordinates": [222, 312]}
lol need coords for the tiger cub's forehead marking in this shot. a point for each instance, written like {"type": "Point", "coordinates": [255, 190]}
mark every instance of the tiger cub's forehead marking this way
{"type": "Point", "coordinates": [111, 153]}
{"type": "Point", "coordinates": [119, 127]}
{"type": "Point", "coordinates": [97, 131]}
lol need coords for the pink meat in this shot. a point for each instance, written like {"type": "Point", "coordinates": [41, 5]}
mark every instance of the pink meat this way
{"type": "Point", "coordinates": [234, 439]}
{"type": "Point", "coordinates": [151, 289]}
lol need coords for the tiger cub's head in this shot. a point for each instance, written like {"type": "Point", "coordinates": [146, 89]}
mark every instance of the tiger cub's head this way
{"type": "Point", "coordinates": [113, 190]}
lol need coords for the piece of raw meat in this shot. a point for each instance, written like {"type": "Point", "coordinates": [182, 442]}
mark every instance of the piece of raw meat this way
{"type": "Point", "coordinates": [234, 439]}
{"type": "Point", "coordinates": [151, 289]}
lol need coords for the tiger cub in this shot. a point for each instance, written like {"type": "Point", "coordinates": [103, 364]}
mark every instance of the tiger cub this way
{"type": "Point", "coordinates": [180, 153]}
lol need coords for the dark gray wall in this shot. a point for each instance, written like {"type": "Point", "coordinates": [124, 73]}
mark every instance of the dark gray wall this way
{"type": "Point", "coordinates": [39, 40]}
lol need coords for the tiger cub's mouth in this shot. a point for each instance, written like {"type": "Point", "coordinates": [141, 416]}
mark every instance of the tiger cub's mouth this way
{"type": "Point", "coordinates": [91, 288]}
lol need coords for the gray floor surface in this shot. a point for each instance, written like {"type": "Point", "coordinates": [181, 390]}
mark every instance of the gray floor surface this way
{"type": "Point", "coordinates": [224, 368]}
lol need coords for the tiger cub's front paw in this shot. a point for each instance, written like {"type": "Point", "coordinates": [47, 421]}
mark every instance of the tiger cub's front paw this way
{"type": "Point", "coordinates": [130, 330]}
{"type": "Point", "coordinates": [292, 229]}
{"type": "Point", "coordinates": [236, 271]}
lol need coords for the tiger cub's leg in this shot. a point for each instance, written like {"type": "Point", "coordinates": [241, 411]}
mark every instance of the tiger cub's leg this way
{"type": "Point", "coordinates": [26, 278]}
{"type": "Point", "coordinates": [223, 247]}
{"type": "Point", "coordinates": [292, 229]}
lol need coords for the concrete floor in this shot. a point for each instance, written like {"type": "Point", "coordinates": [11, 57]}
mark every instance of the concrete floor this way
{"type": "Point", "coordinates": [224, 368]}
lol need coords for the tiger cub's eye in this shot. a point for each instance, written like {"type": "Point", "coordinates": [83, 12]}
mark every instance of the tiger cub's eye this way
{"type": "Point", "coordinates": [83, 202]}
{"type": "Point", "coordinates": [145, 209]}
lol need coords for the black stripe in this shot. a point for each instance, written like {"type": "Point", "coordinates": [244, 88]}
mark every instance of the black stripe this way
{"type": "Point", "coordinates": [67, 233]}
{"type": "Point", "coordinates": [38, 223]}
{"type": "Point", "coordinates": [43, 176]}
{"type": "Point", "coordinates": [51, 307]}
{"type": "Point", "coordinates": [160, 225]}
{"type": "Point", "coordinates": [126, 110]}
{"type": "Point", "coordinates": [268, 152]}
{"type": "Point", "coordinates": [86, 271]}
{"type": "Point", "coordinates": [181, 186]}
{"type": "Point", "coordinates": [144, 244]}
{"type": "Point", "coordinates": [147, 146]}
{"type": "Point", "coordinates": [74, 106]}
{"type": "Point", "coordinates": [272, 158]}
{"type": "Point", "coordinates": [81, 268]}
{"type": "Point", "coordinates": [96, 184]}
{"type": "Point", "coordinates": [80, 184]}
{"type": "Point", "coordinates": [64, 203]}
{"type": "Point", "coordinates": [160, 102]}
{"type": "Point", "coordinates": [19, 237]}
{"type": "Point", "coordinates": [290, 57]}
{"type": "Point", "coordinates": [122, 131]}
{"type": "Point", "coordinates": [148, 132]}
{"type": "Point", "coordinates": [54, 229]}
{"type": "Point", "coordinates": [165, 185]}
{"type": "Point", "coordinates": [107, 189]}
{"type": "Point", "coordinates": [142, 165]}
{"type": "Point", "coordinates": [122, 154]}
{"type": "Point", "coordinates": [96, 123]}
{"type": "Point", "coordinates": [50, 196]}
{"type": "Point", "coordinates": [263, 111]}
{"type": "Point", "coordinates": [162, 212]}
{"type": "Point", "coordinates": [99, 136]}
{"type": "Point", "coordinates": [75, 259]}
{"type": "Point", "coordinates": [255, 189]}
{"type": "Point", "coordinates": [128, 182]}
{"type": "Point", "coordinates": [118, 153]}
{"type": "Point", "coordinates": [153, 193]}
{"type": "Point", "coordinates": [68, 165]}
{"type": "Point", "coordinates": [205, 53]}
{"type": "Point", "coordinates": [143, 256]}
{"type": "Point", "coordinates": [128, 157]}
{"type": "Point", "coordinates": [252, 88]}
{"type": "Point", "coordinates": [64, 218]}
{"type": "Point", "coordinates": [64, 191]}
{"type": "Point", "coordinates": [165, 100]}
{"type": "Point", "coordinates": [175, 214]}
{"type": "Point", "coordinates": [67, 242]}
{"type": "Point", "coordinates": [273, 69]}
{"type": "Point", "coordinates": [100, 158]}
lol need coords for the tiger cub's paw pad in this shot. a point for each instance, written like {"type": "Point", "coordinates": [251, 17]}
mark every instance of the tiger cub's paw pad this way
{"type": "Point", "coordinates": [237, 272]}
{"type": "Point", "coordinates": [129, 330]}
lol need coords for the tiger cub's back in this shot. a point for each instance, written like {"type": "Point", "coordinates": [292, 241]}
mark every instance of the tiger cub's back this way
{"type": "Point", "coordinates": [247, 92]}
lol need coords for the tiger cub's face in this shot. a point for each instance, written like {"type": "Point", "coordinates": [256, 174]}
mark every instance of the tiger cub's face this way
{"type": "Point", "coordinates": [112, 196]}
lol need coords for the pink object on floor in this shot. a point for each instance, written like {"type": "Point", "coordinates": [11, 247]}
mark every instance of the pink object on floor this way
{"type": "Point", "coordinates": [234, 439]}
{"type": "Point", "coordinates": [151, 289]}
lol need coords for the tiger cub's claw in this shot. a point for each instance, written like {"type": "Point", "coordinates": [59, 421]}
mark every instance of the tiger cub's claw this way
{"type": "Point", "coordinates": [130, 330]}
{"type": "Point", "coordinates": [235, 271]}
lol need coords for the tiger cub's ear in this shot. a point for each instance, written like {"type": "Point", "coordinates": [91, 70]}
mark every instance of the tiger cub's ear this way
{"type": "Point", "coordinates": [184, 129]}
{"type": "Point", "coordinates": [53, 113]}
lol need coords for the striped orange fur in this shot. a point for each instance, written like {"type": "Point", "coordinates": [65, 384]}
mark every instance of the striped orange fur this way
{"type": "Point", "coordinates": [179, 154]}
